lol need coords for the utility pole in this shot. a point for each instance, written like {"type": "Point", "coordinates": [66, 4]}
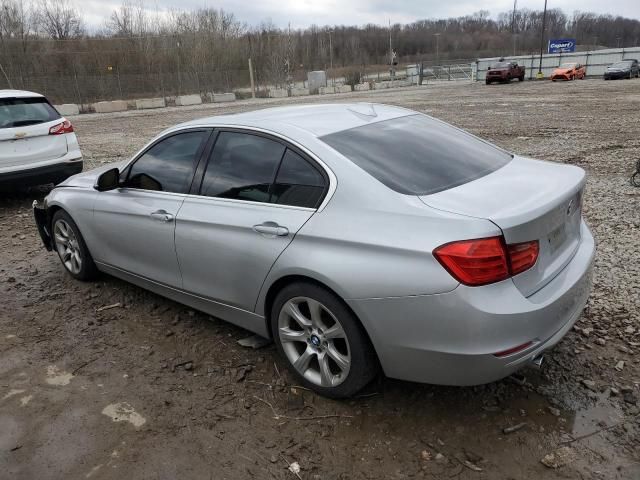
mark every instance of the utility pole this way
{"type": "Point", "coordinates": [253, 87]}
{"type": "Point", "coordinates": [391, 69]}
{"type": "Point", "coordinates": [331, 58]}
{"type": "Point", "coordinates": [437, 35]}
{"type": "Point", "coordinates": [513, 26]}
{"type": "Point", "coordinates": [544, 20]}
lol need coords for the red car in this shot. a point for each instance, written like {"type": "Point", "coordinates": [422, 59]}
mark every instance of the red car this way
{"type": "Point", "coordinates": [504, 72]}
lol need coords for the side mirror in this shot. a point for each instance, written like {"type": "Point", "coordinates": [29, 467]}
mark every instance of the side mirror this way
{"type": "Point", "coordinates": [108, 180]}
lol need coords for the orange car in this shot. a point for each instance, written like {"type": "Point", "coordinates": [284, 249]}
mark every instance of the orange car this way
{"type": "Point", "coordinates": [569, 71]}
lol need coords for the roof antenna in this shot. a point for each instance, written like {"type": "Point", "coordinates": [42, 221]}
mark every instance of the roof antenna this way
{"type": "Point", "coordinates": [364, 111]}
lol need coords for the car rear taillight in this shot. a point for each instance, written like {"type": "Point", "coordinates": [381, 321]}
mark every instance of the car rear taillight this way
{"type": "Point", "coordinates": [522, 256]}
{"type": "Point", "coordinates": [59, 129]}
{"type": "Point", "coordinates": [486, 260]}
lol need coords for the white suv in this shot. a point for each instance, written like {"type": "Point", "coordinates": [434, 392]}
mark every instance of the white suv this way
{"type": "Point", "coordinates": [37, 144]}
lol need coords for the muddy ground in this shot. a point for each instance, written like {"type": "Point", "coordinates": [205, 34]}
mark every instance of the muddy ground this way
{"type": "Point", "coordinates": [151, 390]}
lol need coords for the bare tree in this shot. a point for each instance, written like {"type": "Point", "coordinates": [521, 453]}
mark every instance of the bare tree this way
{"type": "Point", "coordinates": [60, 19]}
{"type": "Point", "coordinates": [130, 20]}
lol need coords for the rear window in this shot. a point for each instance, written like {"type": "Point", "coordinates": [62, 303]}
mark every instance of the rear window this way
{"type": "Point", "coordinates": [417, 154]}
{"type": "Point", "coordinates": [20, 112]}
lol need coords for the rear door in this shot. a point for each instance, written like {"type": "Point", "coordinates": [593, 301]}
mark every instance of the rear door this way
{"type": "Point", "coordinates": [24, 132]}
{"type": "Point", "coordinates": [256, 193]}
{"type": "Point", "coordinates": [135, 224]}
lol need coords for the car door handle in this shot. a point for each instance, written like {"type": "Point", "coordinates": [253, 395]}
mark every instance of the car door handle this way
{"type": "Point", "coordinates": [271, 229]}
{"type": "Point", "coordinates": [162, 216]}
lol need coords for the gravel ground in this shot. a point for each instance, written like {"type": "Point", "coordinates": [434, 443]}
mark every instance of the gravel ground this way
{"type": "Point", "coordinates": [150, 389]}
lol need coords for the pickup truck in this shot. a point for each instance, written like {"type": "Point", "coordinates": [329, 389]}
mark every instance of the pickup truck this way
{"type": "Point", "coordinates": [504, 72]}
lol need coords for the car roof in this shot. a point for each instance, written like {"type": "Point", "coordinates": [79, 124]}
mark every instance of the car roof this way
{"type": "Point", "coordinates": [316, 119]}
{"type": "Point", "coordinates": [18, 94]}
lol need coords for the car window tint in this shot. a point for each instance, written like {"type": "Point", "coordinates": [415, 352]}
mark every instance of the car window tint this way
{"type": "Point", "coordinates": [22, 112]}
{"type": "Point", "coordinates": [417, 154]}
{"type": "Point", "coordinates": [169, 165]}
{"type": "Point", "coordinates": [298, 183]}
{"type": "Point", "coordinates": [242, 166]}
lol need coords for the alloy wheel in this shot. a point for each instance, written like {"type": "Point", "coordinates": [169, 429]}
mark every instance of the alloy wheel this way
{"type": "Point", "coordinates": [314, 341]}
{"type": "Point", "coordinates": [67, 246]}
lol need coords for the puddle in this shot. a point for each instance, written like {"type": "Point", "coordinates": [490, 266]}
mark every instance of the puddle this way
{"type": "Point", "coordinates": [497, 427]}
{"type": "Point", "coordinates": [123, 412]}
{"type": "Point", "coordinates": [58, 377]}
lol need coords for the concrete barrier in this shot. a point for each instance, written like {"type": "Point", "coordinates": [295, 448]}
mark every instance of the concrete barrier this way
{"type": "Point", "coordinates": [381, 85]}
{"type": "Point", "coordinates": [147, 103]}
{"type": "Point", "coordinates": [184, 100]}
{"type": "Point", "coordinates": [326, 90]}
{"type": "Point", "coordinates": [224, 97]}
{"type": "Point", "coordinates": [362, 87]}
{"type": "Point", "coordinates": [299, 92]}
{"type": "Point", "coordinates": [343, 89]}
{"type": "Point", "coordinates": [108, 107]}
{"type": "Point", "coordinates": [278, 93]}
{"type": "Point", "coordinates": [67, 109]}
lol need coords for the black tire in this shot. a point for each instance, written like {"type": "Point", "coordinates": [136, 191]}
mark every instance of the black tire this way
{"type": "Point", "coordinates": [364, 365]}
{"type": "Point", "coordinates": [87, 270]}
{"type": "Point", "coordinates": [521, 78]}
{"type": "Point", "coordinates": [487, 82]}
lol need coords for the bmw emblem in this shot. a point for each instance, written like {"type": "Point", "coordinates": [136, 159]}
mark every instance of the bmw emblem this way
{"type": "Point", "coordinates": [315, 341]}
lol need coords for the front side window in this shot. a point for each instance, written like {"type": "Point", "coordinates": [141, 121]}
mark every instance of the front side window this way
{"type": "Point", "coordinates": [22, 112]}
{"type": "Point", "coordinates": [242, 167]}
{"type": "Point", "coordinates": [417, 154]}
{"type": "Point", "coordinates": [298, 183]}
{"type": "Point", "coordinates": [169, 165]}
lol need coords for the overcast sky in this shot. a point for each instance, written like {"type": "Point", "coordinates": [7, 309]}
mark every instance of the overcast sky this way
{"type": "Point", "coordinates": [302, 13]}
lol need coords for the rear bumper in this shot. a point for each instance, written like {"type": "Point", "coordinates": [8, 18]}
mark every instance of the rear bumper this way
{"type": "Point", "coordinates": [450, 338]}
{"type": "Point", "coordinates": [616, 75]}
{"type": "Point", "coordinates": [53, 173]}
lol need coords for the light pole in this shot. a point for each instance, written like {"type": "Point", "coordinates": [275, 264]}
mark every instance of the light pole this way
{"type": "Point", "coordinates": [544, 19]}
{"type": "Point", "coordinates": [331, 58]}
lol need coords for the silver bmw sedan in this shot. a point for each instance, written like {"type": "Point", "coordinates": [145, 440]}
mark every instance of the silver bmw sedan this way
{"type": "Point", "coordinates": [359, 237]}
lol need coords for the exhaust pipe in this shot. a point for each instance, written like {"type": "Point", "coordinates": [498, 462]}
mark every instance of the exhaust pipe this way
{"type": "Point", "coordinates": [537, 360]}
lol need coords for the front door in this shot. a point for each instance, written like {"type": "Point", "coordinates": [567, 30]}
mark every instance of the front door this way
{"type": "Point", "coordinates": [256, 193]}
{"type": "Point", "coordinates": [135, 224]}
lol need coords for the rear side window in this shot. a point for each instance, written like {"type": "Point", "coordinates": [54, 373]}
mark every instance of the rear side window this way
{"type": "Point", "coordinates": [417, 154]}
{"type": "Point", "coordinates": [169, 165]}
{"type": "Point", "coordinates": [298, 183]}
{"type": "Point", "coordinates": [242, 167]}
{"type": "Point", "coordinates": [21, 112]}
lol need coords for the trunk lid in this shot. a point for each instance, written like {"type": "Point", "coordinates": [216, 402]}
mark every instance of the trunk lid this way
{"type": "Point", "coordinates": [529, 200]}
{"type": "Point", "coordinates": [21, 146]}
